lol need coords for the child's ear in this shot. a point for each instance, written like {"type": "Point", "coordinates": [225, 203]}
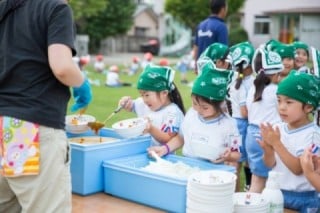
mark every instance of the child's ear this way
{"type": "Point", "coordinates": [308, 108]}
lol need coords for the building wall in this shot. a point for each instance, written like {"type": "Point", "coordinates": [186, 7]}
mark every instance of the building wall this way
{"type": "Point", "coordinates": [144, 20]}
{"type": "Point", "coordinates": [258, 7]}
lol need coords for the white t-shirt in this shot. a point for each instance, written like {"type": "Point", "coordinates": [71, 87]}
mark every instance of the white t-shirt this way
{"type": "Point", "coordinates": [219, 131]}
{"type": "Point", "coordinates": [238, 97]}
{"type": "Point", "coordinates": [112, 79]}
{"type": "Point", "coordinates": [99, 65]}
{"type": "Point", "coordinates": [167, 119]}
{"type": "Point", "coordinates": [265, 110]}
{"type": "Point", "coordinates": [295, 142]}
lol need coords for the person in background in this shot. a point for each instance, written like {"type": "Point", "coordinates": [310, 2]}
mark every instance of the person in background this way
{"type": "Point", "coordinates": [135, 65]}
{"type": "Point", "coordinates": [211, 30]}
{"type": "Point", "coordinates": [262, 107]}
{"type": "Point", "coordinates": [283, 143]}
{"type": "Point", "coordinates": [147, 60]}
{"type": "Point", "coordinates": [160, 102]}
{"type": "Point", "coordinates": [99, 64]}
{"type": "Point", "coordinates": [301, 56]}
{"type": "Point", "coordinates": [113, 78]}
{"type": "Point", "coordinates": [163, 62]}
{"type": "Point", "coordinates": [205, 124]}
{"type": "Point", "coordinates": [37, 72]}
{"type": "Point", "coordinates": [183, 65]}
{"type": "Point", "coordinates": [241, 57]}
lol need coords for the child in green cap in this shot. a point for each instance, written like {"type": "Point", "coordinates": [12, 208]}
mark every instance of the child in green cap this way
{"type": "Point", "coordinates": [286, 52]}
{"type": "Point", "coordinates": [216, 54]}
{"type": "Point", "coordinates": [160, 103]}
{"type": "Point", "coordinates": [261, 103]}
{"type": "Point", "coordinates": [241, 55]}
{"type": "Point", "coordinates": [207, 132]}
{"type": "Point", "coordinates": [301, 56]}
{"type": "Point", "coordinates": [283, 144]}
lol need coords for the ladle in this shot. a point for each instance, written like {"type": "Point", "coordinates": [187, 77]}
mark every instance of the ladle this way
{"type": "Point", "coordinates": [159, 159]}
{"type": "Point", "coordinates": [97, 125]}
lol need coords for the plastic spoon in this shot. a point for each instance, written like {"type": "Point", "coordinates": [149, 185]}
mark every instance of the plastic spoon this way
{"type": "Point", "coordinates": [159, 159]}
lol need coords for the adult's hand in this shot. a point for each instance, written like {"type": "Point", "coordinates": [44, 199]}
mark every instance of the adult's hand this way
{"type": "Point", "coordinates": [82, 96]}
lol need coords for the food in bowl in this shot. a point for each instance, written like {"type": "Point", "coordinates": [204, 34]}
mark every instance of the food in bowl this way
{"type": "Point", "coordinates": [78, 123]}
{"type": "Point", "coordinates": [128, 128]}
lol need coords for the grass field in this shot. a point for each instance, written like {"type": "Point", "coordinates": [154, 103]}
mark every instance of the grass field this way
{"type": "Point", "coordinates": [105, 99]}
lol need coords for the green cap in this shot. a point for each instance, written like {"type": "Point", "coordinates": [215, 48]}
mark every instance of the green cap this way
{"type": "Point", "coordinates": [302, 87]}
{"type": "Point", "coordinates": [300, 45]}
{"type": "Point", "coordinates": [212, 83]}
{"type": "Point", "coordinates": [316, 61]}
{"type": "Point", "coordinates": [156, 78]}
{"type": "Point", "coordinates": [212, 53]}
{"type": "Point", "coordinates": [285, 50]}
{"type": "Point", "coordinates": [271, 61]}
{"type": "Point", "coordinates": [242, 52]}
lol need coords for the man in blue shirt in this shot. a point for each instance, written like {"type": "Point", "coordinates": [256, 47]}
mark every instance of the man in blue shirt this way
{"type": "Point", "coordinates": [212, 29]}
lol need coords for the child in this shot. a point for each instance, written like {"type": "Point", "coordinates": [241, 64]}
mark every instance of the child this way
{"type": "Point", "coordinates": [301, 56]}
{"type": "Point", "coordinates": [310, 164]}
{"type": "Point", "coordinates": [135, 65]}
{"type": "Point", "coordinates": [216, 54]}
{"type": "Point", "coordinates": [262, 107]}
{"type": "Point", "coordinates": [286, 52]}
{"type": "Point", "coordinates": [160, 102]}
{"type": "Point", "coordinates": [147, 60]}
{"type": "Point", "coordinates": [206, 123]}
{"type": "Point", "coordinates": [241, 55]}
{"type": "Point", "coordinates": [183, 65]}
{"type": "Point", "coordinates": [163, 62]}
{"type": "Point", "coordinates": [113, 78]}
{"type": "Point", "coordinates": [298, 95]}
{"type": "Point", "coordinates": [99, 65]}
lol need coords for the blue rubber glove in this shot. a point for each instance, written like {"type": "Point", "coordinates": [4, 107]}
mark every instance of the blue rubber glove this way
{"type": "Point", "coordinates": [82, 96]}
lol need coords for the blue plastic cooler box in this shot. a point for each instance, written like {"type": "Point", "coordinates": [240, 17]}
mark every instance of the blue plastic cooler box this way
{"type": "Point", "coordinates": [86, 160]}
{"type": "Point", "coordinates": [123, 177]}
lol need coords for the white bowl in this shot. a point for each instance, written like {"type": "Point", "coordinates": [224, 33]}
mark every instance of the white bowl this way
{"type": "Point", "coordinates": [78, 123]}
{"type": "Point", "coordinates": [207, 151]}
{"type": "Point", "coordinates": [129, 128]}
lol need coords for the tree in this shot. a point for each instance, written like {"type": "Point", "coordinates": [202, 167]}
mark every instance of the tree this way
{"type": "Point", "coordinates": [191, 12]}
{"type": "Point", "coordinates": [87, 8]}
{"type": "Point", "coordinates": [115, 19]}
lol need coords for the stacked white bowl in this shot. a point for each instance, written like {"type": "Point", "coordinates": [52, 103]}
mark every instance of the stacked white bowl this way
{"type": "Point", "coordinates": [210, 191]}
{"type": "Point", "coordinates": [247, 202]}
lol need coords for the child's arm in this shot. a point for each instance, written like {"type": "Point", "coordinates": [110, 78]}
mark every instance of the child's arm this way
{"type": "Point", "coordinates": [309, 164]}
{"type": "Point", "coordinates": [228, 156]}
{"type": "Point", "coordinates": [268, 154]}
{"type": "Point", "coordinates": [157, 134]}
{"type": "Point", "coordinates": [174, 144]}
{"type": "Point", "coordinates": [272, 137]}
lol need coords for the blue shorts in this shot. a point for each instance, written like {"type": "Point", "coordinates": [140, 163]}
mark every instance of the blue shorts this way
{"type": "Point", "coordinates": [242, 125]}
{"type": "Point", "coordinates": [303, 202]}
{"type": "Point", "coordinates": [255, 152]}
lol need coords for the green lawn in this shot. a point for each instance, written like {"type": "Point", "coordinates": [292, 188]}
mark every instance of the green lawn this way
{"type": "Point", "coordinates": [105, 99]}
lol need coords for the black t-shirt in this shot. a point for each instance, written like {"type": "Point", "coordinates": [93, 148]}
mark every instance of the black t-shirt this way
{"type": "Point", "coordinates": [28, 88]}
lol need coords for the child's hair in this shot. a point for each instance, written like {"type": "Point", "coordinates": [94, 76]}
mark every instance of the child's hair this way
{"type": "Point", "coordinates": [175, 97]}
{"type": "Point", "coordinates": [215, 104]}
{"type": "Point", "coordinates": [240, 76]}
{"type": "Point", "coordinates": [262, 80]}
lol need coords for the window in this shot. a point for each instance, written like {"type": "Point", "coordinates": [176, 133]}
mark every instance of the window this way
{"type": "Point", "coordinates": [140, 31]}
{"type": "Point", "coordinates": [262, 25]}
